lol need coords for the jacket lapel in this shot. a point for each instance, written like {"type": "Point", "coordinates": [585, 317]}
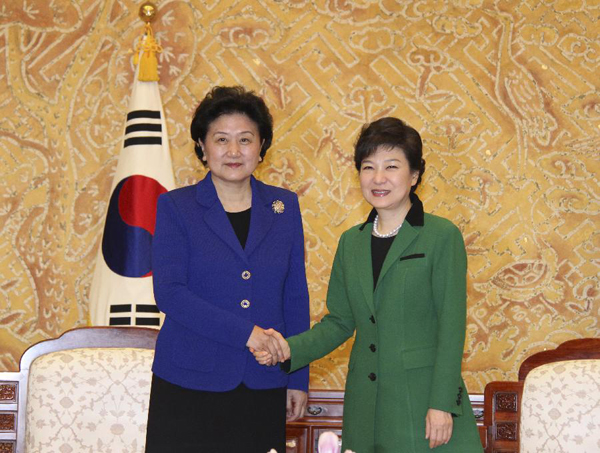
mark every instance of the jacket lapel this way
{"type": "Point", "coordinates": [364, 264]}
{"type": "Point", "coordinates": [405, 237]}
{"type": "Point", "coordinates": [408, 232]}
{"type": "Point", "coordinates": [261, 216]}
{"type": "Point", "coordinates": [216, 217]}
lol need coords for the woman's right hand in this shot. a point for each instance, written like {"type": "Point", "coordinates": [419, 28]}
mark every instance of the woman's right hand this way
{"type": "Point", "coordinates": [268, 346]}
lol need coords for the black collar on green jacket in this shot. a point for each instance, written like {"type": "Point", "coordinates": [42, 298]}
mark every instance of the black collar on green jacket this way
{"type": "Point", "coordinates": [415, 216]}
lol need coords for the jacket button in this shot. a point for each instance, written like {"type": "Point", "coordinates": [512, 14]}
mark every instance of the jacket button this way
{"type": "Point", "coordinates": [373, 376]}
{"type": "Point", "coordinates": [372, 318]}
{"type": "Point", "coordinates": [246, 275]}
{"type": "Point", "coordinates": [373, 348]}
{"type": "Point", "coordinates": [245, 303]}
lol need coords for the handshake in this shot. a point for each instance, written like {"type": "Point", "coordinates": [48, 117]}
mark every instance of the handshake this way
{"type": "Point", "coordinates": [268, 346]}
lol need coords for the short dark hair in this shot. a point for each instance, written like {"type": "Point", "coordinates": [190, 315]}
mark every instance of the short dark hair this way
{"type": "Point", "coordinates": [225, 101]}
{"type": "Point", "coordinates": [391, 132]}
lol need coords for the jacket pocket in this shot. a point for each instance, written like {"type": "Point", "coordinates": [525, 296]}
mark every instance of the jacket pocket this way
{"type": "Point", "coordinates": [412, 257]}
{"type": "Point", "coordinates": [193, 352]}
{"type": "Point", "coordinates": [418, 358]}
{"type": "Point", "coordinates": [414, 261]}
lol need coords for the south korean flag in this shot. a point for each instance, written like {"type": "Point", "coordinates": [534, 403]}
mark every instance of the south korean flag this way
{"type": "Point", "coordinates": [121, 292]}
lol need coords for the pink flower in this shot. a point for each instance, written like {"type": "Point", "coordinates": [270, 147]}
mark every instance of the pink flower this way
{"type": "Point", "coordinates": [329, 443]}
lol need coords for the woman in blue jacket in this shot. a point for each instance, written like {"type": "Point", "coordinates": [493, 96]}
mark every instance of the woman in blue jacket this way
{"type": "Point", "coordinates": [228, 262]}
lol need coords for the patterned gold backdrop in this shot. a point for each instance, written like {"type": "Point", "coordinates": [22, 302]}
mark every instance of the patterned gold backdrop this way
{"type": "Point", "coordinates": [505, 93]}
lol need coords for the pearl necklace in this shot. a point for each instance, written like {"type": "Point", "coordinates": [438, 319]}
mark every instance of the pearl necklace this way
{"type": "Point", "coordinates": [387, 235]}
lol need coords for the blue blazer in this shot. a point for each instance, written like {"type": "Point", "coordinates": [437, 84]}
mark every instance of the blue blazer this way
{"type": "Point", "coordinates": [213, 292]}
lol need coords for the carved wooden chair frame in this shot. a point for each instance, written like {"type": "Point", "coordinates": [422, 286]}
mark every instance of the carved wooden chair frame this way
{"type": "Point", "coordinates": [502, 399]}
{"type": "Point", "coordinates": [13, 385]}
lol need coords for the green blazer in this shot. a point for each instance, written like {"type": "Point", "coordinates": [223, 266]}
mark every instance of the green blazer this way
{"type": "Point", "coordinates": [410, 335]}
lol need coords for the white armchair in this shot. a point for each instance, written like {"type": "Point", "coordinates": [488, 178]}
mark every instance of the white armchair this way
{"type": "Point", "coordinates": [554, 407]}
{"type": "Point", "coordinates": [86, 391]}
{"type": "Point", "coordinates": [560, 408]}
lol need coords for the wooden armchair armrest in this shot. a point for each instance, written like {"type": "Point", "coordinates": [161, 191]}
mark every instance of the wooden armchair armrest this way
{"type": "Point", "coordinates": [502, 404]}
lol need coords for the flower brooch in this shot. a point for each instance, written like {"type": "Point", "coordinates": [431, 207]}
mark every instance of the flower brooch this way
{"type": "Point", "coordinates": [278, 207]}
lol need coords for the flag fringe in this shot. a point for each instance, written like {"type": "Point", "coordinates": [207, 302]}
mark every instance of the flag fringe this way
{"type": "Point", "coordinates": [148, 70]}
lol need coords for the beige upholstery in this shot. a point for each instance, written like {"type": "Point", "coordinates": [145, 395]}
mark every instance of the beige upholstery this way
{"type": "Point", "coordinates": [93, 399]}
{"type": "Point", "coordinates": [89, 400]}
{"type": "Point", "coordinates": [85, 391]}
{"type": "Point", "coordinates": [560, 408]}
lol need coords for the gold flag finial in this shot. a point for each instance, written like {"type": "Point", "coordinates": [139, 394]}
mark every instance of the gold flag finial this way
{"type": "Point", "coordinates": [148, 71]}
{"type": "Point", "coordinates": [148, 12]}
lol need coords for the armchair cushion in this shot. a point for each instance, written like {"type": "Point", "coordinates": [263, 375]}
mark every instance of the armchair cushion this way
{"type": "Point", "coordinates": [89, 400]}
{"type": "Point", "coordinates": [560, 408]}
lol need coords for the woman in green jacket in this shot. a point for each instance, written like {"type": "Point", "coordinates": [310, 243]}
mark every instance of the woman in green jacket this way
{"type": "Point", "coordinates": [399, 282]}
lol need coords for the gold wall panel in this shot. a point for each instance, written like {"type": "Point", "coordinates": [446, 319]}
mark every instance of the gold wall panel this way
{"type": "Point", "coordinates": [506, 94]}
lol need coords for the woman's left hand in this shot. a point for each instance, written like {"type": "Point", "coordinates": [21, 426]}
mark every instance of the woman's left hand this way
{"type": "Point", "coordinates": [438, 427]}
{"type": "Point", "coordinates": [296, 404]}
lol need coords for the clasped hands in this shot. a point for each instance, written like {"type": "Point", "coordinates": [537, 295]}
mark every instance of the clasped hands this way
{"type": "Point", "coordinates": [268, 346]}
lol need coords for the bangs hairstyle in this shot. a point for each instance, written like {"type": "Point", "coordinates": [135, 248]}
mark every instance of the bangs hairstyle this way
{"type": "Point", "coordinates": [391, 133]}
{"type": "Point", "coordinates": [229, 100]}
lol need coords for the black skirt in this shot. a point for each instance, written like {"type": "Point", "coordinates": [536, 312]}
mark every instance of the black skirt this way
{"type": "Point", "coordinates": [242, 420]}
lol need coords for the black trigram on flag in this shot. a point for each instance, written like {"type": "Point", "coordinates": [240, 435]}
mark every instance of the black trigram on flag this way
{"type": "Point", "coordinates": [143, 128]}
{"type": "Point", "coordinates": [123, 315]}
